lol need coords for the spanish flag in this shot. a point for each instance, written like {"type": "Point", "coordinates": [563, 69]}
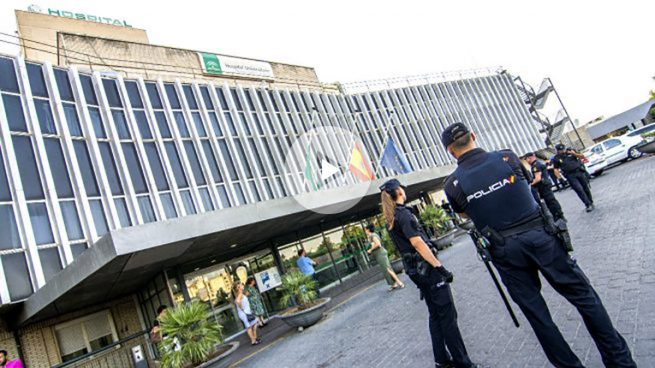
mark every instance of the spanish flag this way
{"type": "Point", "coordinates": [359, 165]}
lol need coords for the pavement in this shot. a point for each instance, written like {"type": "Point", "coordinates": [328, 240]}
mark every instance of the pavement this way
{"type": "Point", "coordinates": [613, 245]}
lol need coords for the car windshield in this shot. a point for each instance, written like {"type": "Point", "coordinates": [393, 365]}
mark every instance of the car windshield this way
{"type": "Point", "coordinates": [642, 130]}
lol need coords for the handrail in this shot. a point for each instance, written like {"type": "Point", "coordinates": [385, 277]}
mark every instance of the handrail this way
{"type": "Point", "coordinates": [101, 350]}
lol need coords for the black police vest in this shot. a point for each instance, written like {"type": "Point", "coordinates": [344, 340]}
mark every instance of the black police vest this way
{"type": "Point", "coordinates": [569, 163]}
{"type": "Point", "coordinates": [496, 197]}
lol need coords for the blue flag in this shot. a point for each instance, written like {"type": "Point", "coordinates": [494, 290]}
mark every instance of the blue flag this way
{"type": "Point", "coordinates": [394, 159]}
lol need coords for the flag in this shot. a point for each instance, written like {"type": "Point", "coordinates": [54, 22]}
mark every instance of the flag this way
{"type": "Point", "coordinates": [359, 165]}
{"type": "Point", "coordinates": [309, 171]}
{"type": "Point", "coordinates": [394, 159]}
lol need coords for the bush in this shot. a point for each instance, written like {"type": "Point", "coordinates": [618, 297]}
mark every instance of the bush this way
{"type": "Point", "coordinates": [435, 218]}
{"type": "Point", "coordinates": [190, 335]}
{"type": "Point", "coordinates": [299, 288]}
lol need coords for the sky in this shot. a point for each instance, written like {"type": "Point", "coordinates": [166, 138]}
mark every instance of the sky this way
{"type": "Point", "coordinates": [599, 54]}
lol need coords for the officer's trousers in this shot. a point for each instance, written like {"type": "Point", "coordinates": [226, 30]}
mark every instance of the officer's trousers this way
{"type": "Point", "coordinates": [551, 202]}
{"type": "Point", "coordinates": [580, 184]}
{"type": "Point", "coordinates": [443, 320]}
{"type": "Point", "coordinates": [520, 260]}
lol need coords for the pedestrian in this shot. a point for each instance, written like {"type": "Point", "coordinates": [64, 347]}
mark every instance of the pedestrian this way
{"type": "Point", "coordinates": [569, 163]}
{"type": "Point", "coordinates": [489, 188]}
{"type": "Point", "coordinates": [155, 331]}
{"type": "Point", "coordinates": [430, 276]}
{"type": "Point", "coordinates": [382, 258]}
{"type": "Point", "coordinates": [306, 265]}
{"type": "Point", "coordinates": [256, 301]}
{"type": "Point", "coordinates": [541, 182]}
{"type": "Point", "coordinates": [246, 316]}
{"type": "Point", "coordinates": [6, 363]}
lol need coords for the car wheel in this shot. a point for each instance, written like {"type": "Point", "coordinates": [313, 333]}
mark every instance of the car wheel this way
{"type": "Point", "coordinates": [634, 153]}
{"type": "Point", "coordinates": [598, 173]}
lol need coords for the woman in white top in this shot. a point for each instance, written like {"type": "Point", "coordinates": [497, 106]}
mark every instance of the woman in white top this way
{"type": "Point", "coordinates": [245, 314]}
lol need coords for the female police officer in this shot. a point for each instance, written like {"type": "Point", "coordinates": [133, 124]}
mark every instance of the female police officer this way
{"type": "Point", "coordinates": [428, 274]}
{"type": "Point", "coordinates": [489, 187]}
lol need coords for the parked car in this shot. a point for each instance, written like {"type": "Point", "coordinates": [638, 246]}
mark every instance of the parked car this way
{"type": "Point", "coordinates": [594, 163]}
{"type": "Point", "coordinates": [650, 128]}
{"type": "Point", "coordinates": [617, 149]}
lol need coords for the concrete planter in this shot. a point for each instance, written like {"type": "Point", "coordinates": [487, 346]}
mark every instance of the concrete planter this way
{"type": "Point", "coordinates": [306, 317]}
{"type": "Point", "coordinates": [221, 361]}
{"type": "Point", "coordinates": [445, 241]}
{"type": "Point", "coordinates": [467, 225]}
{"type": "Point", "coordinates": [647, 148]}
{"type": "Point", "coordinates": [397, 266]}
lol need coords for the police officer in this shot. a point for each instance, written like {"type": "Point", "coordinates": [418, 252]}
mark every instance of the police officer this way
{"type": "Point", "coordinates": [542, 183]}
{"type": "Point", "coordinates": [429, 275]}
{"type": "Point", "coordinates": [488, 187]}
{"type": "Point", "coordinates": [570, 164]}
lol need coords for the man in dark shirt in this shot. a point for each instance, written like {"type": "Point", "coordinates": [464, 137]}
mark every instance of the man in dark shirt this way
{"type": "Point", "coordinates": [489, 187]}
{"type": "Point", "coordinates": [542, 183]}
{"type": "Point", "coordinates": [570, 164]}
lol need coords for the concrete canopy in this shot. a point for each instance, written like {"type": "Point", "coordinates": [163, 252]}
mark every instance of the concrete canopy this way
{"type": "Point", "coordinates": [621, 120]}
{"type": "Point", "coordinates": [124, 260]}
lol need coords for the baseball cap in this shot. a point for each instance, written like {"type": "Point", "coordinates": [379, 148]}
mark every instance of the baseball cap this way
{"type": "Point", "coordinates": [391, 185]}
{"type": "Point", "coordinates": [453, 132]}
{"type": "Point", "coordinates": [560, 147]}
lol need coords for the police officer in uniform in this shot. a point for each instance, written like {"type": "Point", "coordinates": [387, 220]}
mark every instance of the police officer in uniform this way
{"type": "Point", "coordinates": [570, 164]}
{"type": "Point", "coordinates": [542, 183]}
{"type": "Point", "coordinates": [489, 188]}
{"type": "Point", "coordinates": [429, 275]}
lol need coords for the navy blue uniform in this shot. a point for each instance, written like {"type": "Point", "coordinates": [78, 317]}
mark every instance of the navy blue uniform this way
{"type": "Point", "coordinates": [485, 187]}
{"type": "Point", "coordinates": [574, 171]}
{"type": "Point", "coordinates": [544, 188]}
{"type": "Point", "coordinates": [438, 297]}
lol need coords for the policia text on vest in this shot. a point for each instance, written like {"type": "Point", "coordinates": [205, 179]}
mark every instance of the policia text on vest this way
{"type": "Point", "coordinates": [524, 248]}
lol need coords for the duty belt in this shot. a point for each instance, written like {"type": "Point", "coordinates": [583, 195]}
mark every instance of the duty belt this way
{"type": "Point", "coordinates": [536, 223]}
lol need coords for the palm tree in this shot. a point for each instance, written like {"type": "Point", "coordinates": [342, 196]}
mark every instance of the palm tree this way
{"type": "Point", "coordinates": [299, 288]}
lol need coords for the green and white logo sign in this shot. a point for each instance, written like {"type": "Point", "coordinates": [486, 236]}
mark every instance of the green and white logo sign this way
{"type": "Point", "coordinates": [225, 65]}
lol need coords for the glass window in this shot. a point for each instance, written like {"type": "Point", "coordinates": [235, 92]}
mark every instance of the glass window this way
{"type": "Point", "coordinates": [253, 189]}
{"type": "Point", "coordinates": [181, 124]}
{"type": "Point", "coordinates": [99, 218]}
{"type": "Point", "coordinates": [134, 167]}
{"type": "Point", "coordinates": [190, 98]}
{"type": "Point", "coordinates": [96, 120]}
{"type": "Point", "coordinates": [195, 163]}
{"type": "Point", "coordinates": [58, 168]}
{"type": "Point", "coordinates": [235, 97]}
{"type": "Point", "coordinates": [50, 262]}
{"type": "Point", "coordinates": [142, 123]}
{"type": "Point", "coordinates": [174, 159]}
{"type": "Point", "coordinates": [611, 143]}
{"type": "Point", "coordinates": [162, 124]}
{"type": "Point", "coordinates": [188, 202]}
{"type": "Point", "coordinates": [123, 213]}
{"type": "Point", "coordinates": [87, 88]}
{"type": "Point", "coordinates": [198, 123]}
{"type": "Point", "coordinates": [16, 275]}
{"type": "Point", "coordinates": [110, 168]}
{"type": "Point", "coordinates": [222, 194]}
{"type": "Point", "coordinates": [230, 123]}
{"type": "Point", "coordinates": [71, 220]}
{"type": "Point", "coordinates": [121, 124]}
{"type": "Point", "coordinates": [172, 96]}
{"type": "Point", "coordinates": [221, 98]}
{"type": "Point", "coordinates": [242, 159]}
{"type": "Point", "coordinates": [40, 223]}
{"type": "Point", "coordinates": [5, 193]}
{"type": "Point", "coordinates": [228, 159]}
{"type": "Point", "coordinates": [169, 206]}
{"type": "Point", "coordinates": [84, 163]}
{"type": "Point", "coordinates": [153, 96]}
{"type": "Point", "coordinates": [111, 90]}
{"type": "Point", "coordinates": [211, 161]}
{"type": "Point", "coordinates": [147, 212]}
{"type": "Point", "coordinates": [253, 148]}
{"type": "Point", "coordinates": [240, 195]}
{"type": "Point", "coordinates": [63, 85]}
{"type": "Point", "coordinates": [77, 249]}
{"type": "Point", "coordinates": [213, 119]}
{"type": "Point", "coordinates": [156, 166]}
{"type": "Point", "coordinates": [29, 173]}
{"type": "Point", "coordinates": [206, 199]}
{"type": "Point", "coordinates": [37, 82]}
{"type": "Point", "coordinates": [133, 94]}
{"type": "Point", "coordinates": [72, 120]}
{"type": "Point", "coordinates": [209, 104]}
{"type": "Point", "coordinates": [14, 112]}
{"type": "Point", "coordinates": [44, 115]}
{"type": "Point", "coordinates": [9, 238]}
{"type": "Point", "coordinates": [8, 82]}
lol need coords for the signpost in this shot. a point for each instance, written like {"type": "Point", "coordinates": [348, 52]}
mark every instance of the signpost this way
{"type": "Point", "coordinates": [225, 65]}
{"type": "Point", "coordinates": [268, 279]}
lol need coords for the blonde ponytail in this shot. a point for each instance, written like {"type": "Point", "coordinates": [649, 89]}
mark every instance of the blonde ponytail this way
{"type": "Point", "coordinates": [388, 209]}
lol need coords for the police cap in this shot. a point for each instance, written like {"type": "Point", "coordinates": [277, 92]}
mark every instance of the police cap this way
{"type": "Point", "coordinates": [529, 154]}
{"type": "Point", "coordinates": [391, 185]}
{"type": "Point", "coordinates": [560, 147]}
{"type": "Point", "coordinates": [453, 132]}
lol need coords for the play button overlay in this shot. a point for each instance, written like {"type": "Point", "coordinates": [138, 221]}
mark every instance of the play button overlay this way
{"type": "Point", "coordinates": [329, 168]}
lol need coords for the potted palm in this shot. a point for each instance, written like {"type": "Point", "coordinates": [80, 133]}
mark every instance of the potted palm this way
{"type": "Point", "coordinates": [436, 220]}
{"type": "Point", "coordinates": [300, 290]}
{"type": "Point", "coordinates": [192, 339]}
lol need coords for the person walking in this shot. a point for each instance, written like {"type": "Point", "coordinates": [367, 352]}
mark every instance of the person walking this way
{"type": "Point", "coordinates": [569, 163]}
{"type": "Point", "coordinates": [489, 187]}
{"type": "Point", "coordinates": [382, 258]}
{"type": "Point", "coordinates": [246, 316]}
{"type": "Point", "coordinates": [6, 363]}
{"type": "Point", "coordinates": [256, 301]}
{"type": "Point", "coordinates": [430, 276]}
{"type": "Point", "coordinates": [542, 183]}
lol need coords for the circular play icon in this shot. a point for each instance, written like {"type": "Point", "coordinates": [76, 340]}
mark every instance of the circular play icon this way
{"type": "Point", "coordinates": [332, 168]}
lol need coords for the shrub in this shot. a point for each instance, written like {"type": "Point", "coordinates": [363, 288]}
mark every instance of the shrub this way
{"type": "Point", "coordinates": [299, 288]}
